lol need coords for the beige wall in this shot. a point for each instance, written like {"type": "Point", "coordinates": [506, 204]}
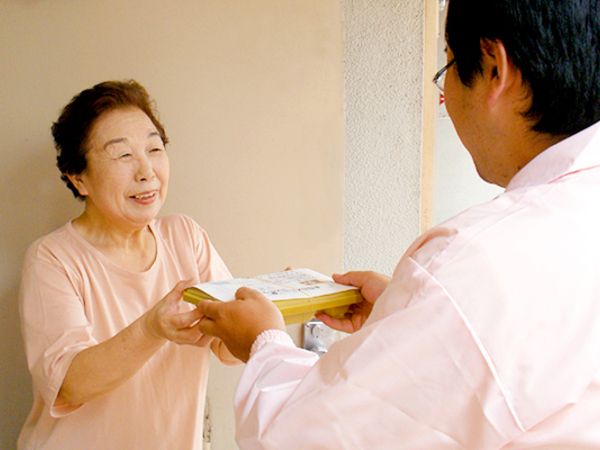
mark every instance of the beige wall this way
{"type": "Point", "coordinates": [251, 96]}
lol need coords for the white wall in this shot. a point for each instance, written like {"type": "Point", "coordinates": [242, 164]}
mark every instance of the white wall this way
{"type": "Point", "coordinates": [456, 185]}
{"type": "Point", "coordinates": [383, 97]}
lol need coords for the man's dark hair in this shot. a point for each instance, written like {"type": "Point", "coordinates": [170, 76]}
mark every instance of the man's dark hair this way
{"type": "Point", "coordinates": [71, 130]}
{"type": "Point", "coordinates": [554, 43]}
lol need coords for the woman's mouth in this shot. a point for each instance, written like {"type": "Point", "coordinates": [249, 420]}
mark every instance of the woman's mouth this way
{"type": "Point", "coordinates": [145, 197]}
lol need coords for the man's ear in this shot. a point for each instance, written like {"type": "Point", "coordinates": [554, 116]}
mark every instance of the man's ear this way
{"type": "Point", "coordinates": [77, 181]}
{"type": "Point", "coordinates": [500, 74]}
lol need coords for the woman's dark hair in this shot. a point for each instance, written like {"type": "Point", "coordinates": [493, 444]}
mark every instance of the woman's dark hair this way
{"type": "Point", "coordinates": [554, 43]}
{"type": "Point", "coordinates": [71, 130]}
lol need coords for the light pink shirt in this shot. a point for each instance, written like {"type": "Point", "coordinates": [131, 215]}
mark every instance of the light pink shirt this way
{"type": "Point", "coordinates": [487, 337]}
{"type": "Point", "coordinates": [71, 298]}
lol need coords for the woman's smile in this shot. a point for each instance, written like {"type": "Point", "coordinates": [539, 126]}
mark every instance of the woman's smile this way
{"type": "Point", "coordinates": [145, 198]}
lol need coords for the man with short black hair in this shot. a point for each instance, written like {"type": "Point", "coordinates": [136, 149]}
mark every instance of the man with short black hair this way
{"type": "Point", "coordinates": [488, 334]}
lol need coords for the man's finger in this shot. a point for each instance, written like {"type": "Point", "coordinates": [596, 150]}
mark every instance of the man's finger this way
{"type": "Point", "coordinates": [356, 279]}
{"type": "Point", "coordinates": [344, 324]}
{"type": "Point", "coordinates": [208, 327]}
{"type": "Point", "coordinates": [209, 308]}
{"type": "Point", "coordinates": [245, 292]}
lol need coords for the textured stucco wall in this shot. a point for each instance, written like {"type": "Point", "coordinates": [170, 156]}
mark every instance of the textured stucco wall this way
{"type": "Point", "coordinates": [383, 96]}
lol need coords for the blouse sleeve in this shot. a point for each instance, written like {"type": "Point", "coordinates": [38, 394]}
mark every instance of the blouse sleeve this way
{"type": "Point", "coordinates": [210, 264]}
{"type": "Point", "coordinates": [53, 322]}
{"type": "Point", "coordinates": [212, 267]}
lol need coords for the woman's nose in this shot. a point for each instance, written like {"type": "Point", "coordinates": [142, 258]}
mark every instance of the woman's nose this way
{"type": "Point", "coordinates": [145, 170]}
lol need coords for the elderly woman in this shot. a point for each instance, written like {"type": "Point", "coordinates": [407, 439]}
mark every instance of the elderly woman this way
{"type": "Point", "coordinates": [100, 297]}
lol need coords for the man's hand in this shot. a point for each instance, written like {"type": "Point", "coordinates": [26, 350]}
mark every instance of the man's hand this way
{"type": "Point", "coordinates": [238, 322]}
{"type": "Point", "coordinates": [371, 285]}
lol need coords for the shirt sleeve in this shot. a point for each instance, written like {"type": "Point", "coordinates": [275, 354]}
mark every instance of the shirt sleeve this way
{"type": "Point", "coordinates": [212, 267]}
{"type": "Point", "coordinates": [413, 377]}
{"type": "Point", "coordinates": [54, 325]}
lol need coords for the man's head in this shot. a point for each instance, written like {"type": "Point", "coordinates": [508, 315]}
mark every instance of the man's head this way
{"type": "Point", "coordinates": [554, 44]}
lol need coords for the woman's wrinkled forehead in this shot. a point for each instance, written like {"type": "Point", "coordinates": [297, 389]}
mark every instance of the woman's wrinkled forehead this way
{"type": "Point", "coordinates": [119, 126]}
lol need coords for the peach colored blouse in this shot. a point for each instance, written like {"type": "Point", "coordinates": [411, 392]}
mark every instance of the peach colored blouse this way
{"type": "Point", "coordinates": [71, 298]}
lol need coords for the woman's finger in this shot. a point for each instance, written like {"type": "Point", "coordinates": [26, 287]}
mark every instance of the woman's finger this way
{"type": "Point", "coordinates": [187, 336]}
{"type": "Point", "coordinates": [204, 341]}
{"type": "Point", "coordinates": [185, 319]}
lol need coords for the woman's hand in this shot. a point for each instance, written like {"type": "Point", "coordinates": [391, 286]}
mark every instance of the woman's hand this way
{"type": "Point", "coordinates": [371, 285]}
{"type": "Point", "coordinates": [166, 321]}
{"type": "Point", "coordinates": [238, 322]}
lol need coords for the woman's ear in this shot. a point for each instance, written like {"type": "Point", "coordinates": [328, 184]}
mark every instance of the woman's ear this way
{"type": "Point", "coordinates": [78, 182]}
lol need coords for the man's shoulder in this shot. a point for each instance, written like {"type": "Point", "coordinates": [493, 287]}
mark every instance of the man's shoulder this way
{"type": "Point", "coordinates": [469, 227]}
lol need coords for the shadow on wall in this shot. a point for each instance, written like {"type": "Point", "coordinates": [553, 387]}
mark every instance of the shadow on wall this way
{"type": "Point", "coordinates": [34, 202]}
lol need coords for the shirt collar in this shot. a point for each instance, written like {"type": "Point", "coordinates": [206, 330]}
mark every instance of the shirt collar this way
{"type": "Point", "coordinates": [577, 152]}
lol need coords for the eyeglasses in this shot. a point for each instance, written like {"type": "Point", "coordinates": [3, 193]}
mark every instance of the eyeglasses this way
{"type": "Point", "coordinates": [439, 77]}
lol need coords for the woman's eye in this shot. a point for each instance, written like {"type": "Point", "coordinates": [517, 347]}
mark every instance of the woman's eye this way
{"type": "Point", "coordinates": [124, 155]}
{"type": "Point", "coordinates": [156, 150]}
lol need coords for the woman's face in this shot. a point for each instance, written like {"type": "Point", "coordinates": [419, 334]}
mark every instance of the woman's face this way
{"type": "Point", "coordinates": [127, 175]}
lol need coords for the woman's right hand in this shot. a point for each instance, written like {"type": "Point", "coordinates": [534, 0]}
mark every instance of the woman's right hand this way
{"type": "Point", "coordinates": [371, 285]}
{"type": "Point", "coordinates": [167, 321]}
{"type": "Point", "coordinates": [99, 369]}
